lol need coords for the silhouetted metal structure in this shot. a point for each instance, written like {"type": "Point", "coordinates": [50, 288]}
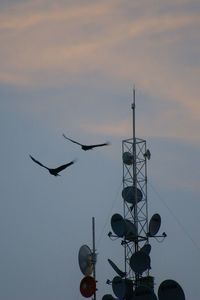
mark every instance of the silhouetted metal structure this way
{"type": "Point", "coordinates": [135, 230]}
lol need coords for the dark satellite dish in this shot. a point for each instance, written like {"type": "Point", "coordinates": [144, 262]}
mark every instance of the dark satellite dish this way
{"type": "Point", "coordinates": [146, 249]}
{"type": "Point", "coordinates": [127, 158]}
{"type": "Point", "coordinates": [122, 288]}
{"type": "Point", "coordinates": [147, 154]}
{"type": "Point", "coordinates": [123, 227]}
{"type": "Point", "coordinates": [144, 293]}
{"type": "Point", "coordinates": [130, 230]}
{"type": "Point", "coordinates": [128, 195]}
{"type": "Point", "coordinates": [85, 260]}
{"type": "Point", "coordinates": [140, 262]}
{"type": "Point", "coordinates": [170, 289]}
{"type": "Point", "coordinates": [117, 225]}
{"type": "Point", "coordinates": [87, 286]}
{"type": "Point", "coordinates": [117, 270]}
{"type": "Point", "coordinates": [108, 297]}
{"type": "Point", "coordinates": [154, 224]}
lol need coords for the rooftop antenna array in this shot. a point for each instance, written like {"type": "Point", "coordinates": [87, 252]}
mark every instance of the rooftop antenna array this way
{"type": "Point", "coordinates": [135, 230]}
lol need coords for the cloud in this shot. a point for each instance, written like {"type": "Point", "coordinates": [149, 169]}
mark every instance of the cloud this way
{"type": "Point", "coordinates": [53, 44]}
{"type": "Point", "coordinates": [114, 129]}
{"type": "Point", "coordinates": [76, 39]}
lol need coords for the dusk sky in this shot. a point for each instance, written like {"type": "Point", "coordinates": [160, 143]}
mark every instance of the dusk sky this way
{"type": "Point", "coordinates": [70, 67]}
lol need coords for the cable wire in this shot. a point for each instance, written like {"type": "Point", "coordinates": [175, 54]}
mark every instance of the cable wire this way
{"type": "Point", "coordinates": [109, 213]}
{"type": "Point", "coordinates": [175, 217]}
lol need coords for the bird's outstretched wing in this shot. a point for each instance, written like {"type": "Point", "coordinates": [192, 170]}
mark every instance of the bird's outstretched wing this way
{"type": "Point", "coordinates": [99, 145]}
{"type": "Point", "coordinates": [86, 147]}
{"type": "Point", "coordinates": [37, 162]}
{"type": "Point", "coordinates": [59, 169]}
{"type": "Point", "coordinates": [72, 140]}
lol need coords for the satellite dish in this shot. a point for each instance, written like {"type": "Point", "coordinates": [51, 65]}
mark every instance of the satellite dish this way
{"type": "Point", "coordinates": [170, 289]}
{"type": "Point", "coordinates": [147, 154]}
{"type": "Point", "coordinates": [146, 249]}
{"type": "Point", "coordinates": [117, 270]}
{"type": "Point", "coordinates": [130, 230]}
{"type": "Point", "coordinates": [127, 158]}
{"type": "Point", "coordinates": [128, 195]}
{"type": "Point", "coordinates": [85, 260]}
{"type": "Point", "coordinates": [122, 288]}
{"type": "Point", "coordinates": [154, 224]}
{"type": "Point", "coordinates": [123, 227]}
{"type": "Point", "coordinates": [108, 297]}
{"type": "Point", "coordinates": [87, 286]}
{"type": "Point", "coordinates": [117, 225]}
{"type": "Point", "coordinates": [144, 293]}
{"type": "Point", "coordinates": [140, 262]}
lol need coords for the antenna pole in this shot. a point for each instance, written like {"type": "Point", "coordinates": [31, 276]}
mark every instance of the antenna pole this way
{"type": "Point", "coordinates": [94, 252]}
{"type": "Point", "coordinates": [135, 179]}
{"type": "Point", "coordinates": [134, 168]}
{"type": "Point", "coordinates": [133, 108]}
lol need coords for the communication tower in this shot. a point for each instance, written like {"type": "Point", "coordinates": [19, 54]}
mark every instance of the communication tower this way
{"type": "Point", "coordinates": [135, 230]}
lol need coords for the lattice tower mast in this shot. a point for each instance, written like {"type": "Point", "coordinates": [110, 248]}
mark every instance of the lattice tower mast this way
{"type": "Point", "coordinates": [135, 175]}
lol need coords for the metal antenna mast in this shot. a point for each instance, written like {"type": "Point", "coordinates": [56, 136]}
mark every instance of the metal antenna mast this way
{"type": "Point", "coordinates": [135, 196]}
{"type": "Point", "coordinates": [135, 231]}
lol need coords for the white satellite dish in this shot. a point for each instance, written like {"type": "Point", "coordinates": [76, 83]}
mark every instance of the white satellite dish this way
{"type": "Point", "coordinates": [123, 227]}
{"type": "Point", "coordinates": [140, 262]}
{"type": "Point", "coordinates": [154, 224]}
{"type": "Point", "coordinates": [127, 158]}
{"type": "Point", "coordinates": [144, 293]}
{"type": "Point", "coordinates": [170, 289]}
{"type": "Point", "coordinates": [117, 270]}
{"type": "Point", "coordinates": [146, 249]}
{"type": "Point", "coordinates": [85, 260]}
{"type": "Point", "coordinates": [122, 288]}
{"type": "Point", "coordinates": [128, 195]}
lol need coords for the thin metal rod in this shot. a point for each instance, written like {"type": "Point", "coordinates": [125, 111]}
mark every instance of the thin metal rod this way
{"type": "Point", "coordinates": [94, 251]}
{"type": "Point", "coordinates": [135, 178]}
{"type": "Point", "coordinates": [134, 164]}
{"type": "Point", "coordinates": [133, 108]}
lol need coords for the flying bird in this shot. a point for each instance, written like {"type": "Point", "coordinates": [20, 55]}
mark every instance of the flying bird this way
{"type": "Point", "coordinates": [56, 170]}
{"type": "Point", "coordinates": [86, 147]}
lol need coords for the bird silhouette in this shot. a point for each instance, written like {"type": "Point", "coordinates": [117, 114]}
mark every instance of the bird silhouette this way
{"type": "Point", "coordinates": [86, 147]}
{"type": "Point", "coordinates": [56, 170]}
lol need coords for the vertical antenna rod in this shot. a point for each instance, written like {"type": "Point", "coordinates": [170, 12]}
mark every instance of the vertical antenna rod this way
{"type": "Point", "coordinates": [134, 165]}
{"type": "Point", "coordinates": [135, 176]}
{"type": "Point", "coordinates": [94, 252]}
{"type": "Point", "coordinates": [133, 108]}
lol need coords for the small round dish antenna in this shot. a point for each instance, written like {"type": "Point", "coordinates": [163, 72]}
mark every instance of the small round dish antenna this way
{"type": "Point", "coordinates": [154, 224]}
{"type": "Point", "coordinates": [140, 262]}
{"type": "Point", "coordinates": [87, 286]}
{"type": "Point", "coordinates": [128, 195]}
{"type": "Point", "coordinates": [85, 260]}
{"type": "Point", "coordinates": [170, 289]}
{"type": "Point", "coordinates": [146, 249]}
{"type": "Point", "coordinates": [127, 158]}
{"type": "Point", "coordinates": [117, 270]}
{"type": "Point", "coordinates": [144, 293]}
{"type": "Point", "coordinates": [147, 154]}
{"type": "Point", "coordinates": [122, 288]}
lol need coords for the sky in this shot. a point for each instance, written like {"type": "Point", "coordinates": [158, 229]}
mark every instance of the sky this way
{"type": "Point", "coordinates": [70, 67]}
